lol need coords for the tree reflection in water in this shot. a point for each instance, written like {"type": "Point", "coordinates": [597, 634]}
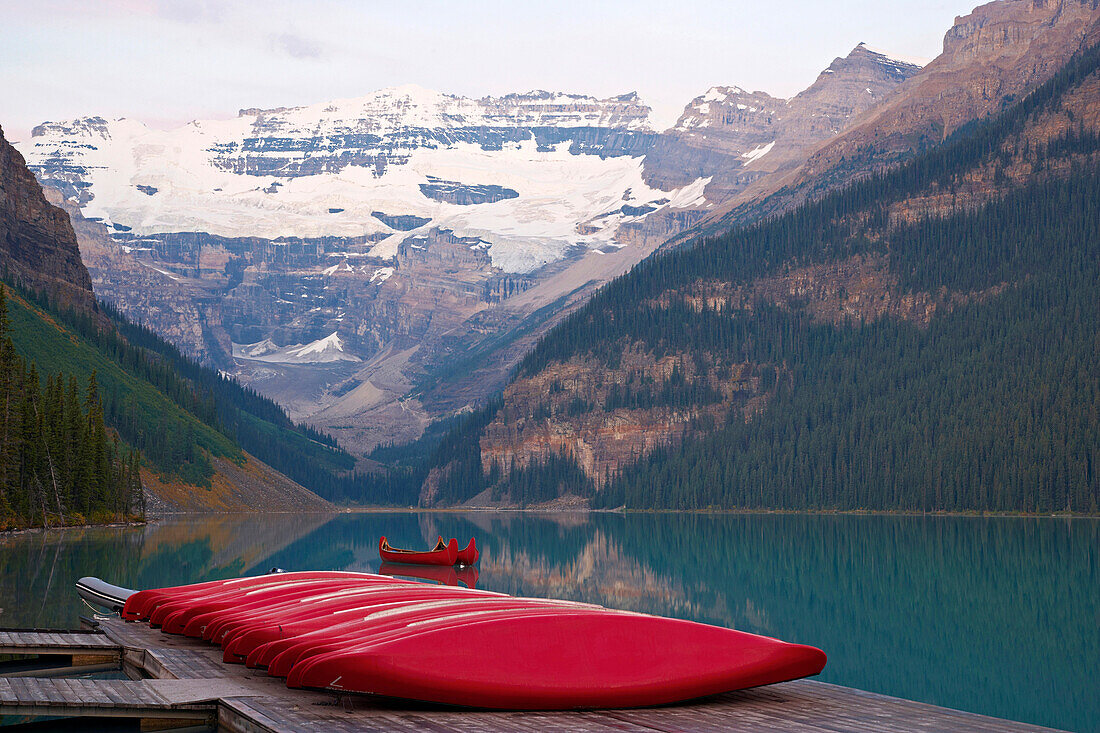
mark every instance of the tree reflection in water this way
{"type": "Point", "coordinates": [996, 615]}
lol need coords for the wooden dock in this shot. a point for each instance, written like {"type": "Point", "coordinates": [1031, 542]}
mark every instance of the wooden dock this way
{"type": "Point", "coordinates": [181, 681]}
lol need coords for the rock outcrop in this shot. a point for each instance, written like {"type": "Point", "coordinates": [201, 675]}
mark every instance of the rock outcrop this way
{"type": "Point", "coordinates": [585, 411]}
{"type": "Point", "coordinates": [38, 247]}
{"type": "Point", "coordinates": [735, 137]}
{"type": "Point", "coordinates": [141, 292]}
{"type": "Point", "coordinates": [991, 58]}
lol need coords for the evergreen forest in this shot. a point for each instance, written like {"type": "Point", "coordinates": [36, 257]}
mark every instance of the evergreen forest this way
{"type": "Point", "coordinates": [58, 462]}
{"type": "Point", "coordinates": [993, 404]}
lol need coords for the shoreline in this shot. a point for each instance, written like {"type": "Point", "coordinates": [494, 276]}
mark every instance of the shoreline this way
{"type": "Point", "coordinates": [807, 512]}
{"type": "Point", "coordinates": [86, 525]}
{"type": "Point", "coordinates": [170, 516]}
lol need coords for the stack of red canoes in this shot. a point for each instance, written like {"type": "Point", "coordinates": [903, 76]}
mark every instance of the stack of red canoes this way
{"type": "Point", "coordinates": [357, 632]}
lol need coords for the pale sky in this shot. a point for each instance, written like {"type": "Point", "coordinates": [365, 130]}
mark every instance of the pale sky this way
{"type": "Point", "coordinates": [166, 62]}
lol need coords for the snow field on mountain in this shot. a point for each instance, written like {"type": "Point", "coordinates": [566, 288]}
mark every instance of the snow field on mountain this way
{"type": "Point", "coordinates": [557, 191]}
{"type": "Point", "coordinates": [325, 350]}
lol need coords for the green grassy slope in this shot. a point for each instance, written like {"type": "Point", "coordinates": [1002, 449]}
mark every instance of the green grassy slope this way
{"type": "Point", "coordinates": [178, 413]}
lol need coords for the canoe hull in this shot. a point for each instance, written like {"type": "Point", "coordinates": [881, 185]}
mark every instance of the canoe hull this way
{"type": "Point", "coordinates": [562, 661]}
{"type": "Point", "coordinates": [139, 606]}
{"type": "Point", "coordinates": [446, 555]}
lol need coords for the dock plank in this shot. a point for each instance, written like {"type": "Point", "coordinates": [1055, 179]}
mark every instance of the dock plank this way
{"type": "Point", "coordinates": [31, 643]}
{"type": "Point", "coordinates": [114, 697]}
{"type": "Point", "coordinates": [192, 681]}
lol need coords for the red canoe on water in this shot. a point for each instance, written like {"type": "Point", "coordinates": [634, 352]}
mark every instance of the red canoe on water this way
{"type": "Point", "coordinates": [444, 553]}
{"type": "Point", "coordinates": [362, 633]}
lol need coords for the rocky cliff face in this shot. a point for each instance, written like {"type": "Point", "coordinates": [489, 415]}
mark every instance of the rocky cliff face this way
{"type": "Point", "coordinates": [737, 137]}
{"type": "Point", "coordinates": [141, 292]}
{"type": "Point", "coordinates": [383, 129]}
{"type": "Point", "coordinates": [990, 58]}
{"type": "Point", "coordinates": [584, 410]}
{"type": "Point", "coordinates": [38, 248]}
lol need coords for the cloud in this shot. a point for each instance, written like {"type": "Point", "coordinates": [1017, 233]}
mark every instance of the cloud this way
{"type": "Point", "coordinates": [189, 11]}
{"type": "Point", "coordinates": [296, 46]}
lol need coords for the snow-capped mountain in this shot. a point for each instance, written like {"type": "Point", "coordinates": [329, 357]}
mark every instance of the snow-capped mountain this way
{"type": "Point", "coordinates": [322, 351]}
{"type": "Point", "coordinates": [336, 254]}
{"type": "Point", "coordinates": [520, 170]}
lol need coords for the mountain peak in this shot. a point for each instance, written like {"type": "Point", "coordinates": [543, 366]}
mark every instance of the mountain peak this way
{"type": "Point", "coordinates": [896, 58]}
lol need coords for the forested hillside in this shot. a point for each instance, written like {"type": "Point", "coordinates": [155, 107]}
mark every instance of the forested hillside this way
{"type": "Point", "coordinates": [925, 339]}
{"type": "Point", "coordinates": [178, 414]}
{"type": "Point", "coordinates": [57, 463]}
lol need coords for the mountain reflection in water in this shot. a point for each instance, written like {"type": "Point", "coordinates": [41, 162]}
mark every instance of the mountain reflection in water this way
{"type": "Point", "coordinates": [995, 615]}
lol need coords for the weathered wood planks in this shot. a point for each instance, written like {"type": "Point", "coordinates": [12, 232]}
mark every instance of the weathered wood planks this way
{"type": "Point", "coordinates": [193, 683]}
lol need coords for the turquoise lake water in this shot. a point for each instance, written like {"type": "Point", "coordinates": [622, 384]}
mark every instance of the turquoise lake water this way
{"type": "Point", "coordinates": [999, 616]}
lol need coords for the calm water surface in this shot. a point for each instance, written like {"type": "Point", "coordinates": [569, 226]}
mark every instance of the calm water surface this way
{"type": "Point", "coordinates": [997, 616]}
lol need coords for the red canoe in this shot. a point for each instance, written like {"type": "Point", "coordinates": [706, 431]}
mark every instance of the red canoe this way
{"type": "Point", "coordinates": [215, 626]}
{"type": "Point", "coordinates": [174, 615]}
{"type": "Point", "coordinates": [230, 625]}
{"type": "Point", "coordinates": [444, 553]}
{"type": "Point", "coordinates": [195, 617]}
{"type": "Point", "coordinates": [240, 635]}
{"type": "Point", "coordinates": [284, 655]}
{"type": "Point", "coordinates": [561, 660]}
{"type": "Point", "coordinates": [140, 605]}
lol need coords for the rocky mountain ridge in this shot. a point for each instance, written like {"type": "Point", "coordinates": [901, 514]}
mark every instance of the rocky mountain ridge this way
{"type": "Point", "coordinates": [740, 129]}
{"type": "Point", "coordinates": [606, 398]}
{"type": "Point", "coordinates": [422, 228]}
{"type": "Point", "coordinates": [991, 58]}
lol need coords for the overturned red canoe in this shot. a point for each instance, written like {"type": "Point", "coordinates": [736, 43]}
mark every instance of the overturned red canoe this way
{"type": "Point", "coordinates": [215, 625]}
{"type": "Point", "coordinates": [174, 616]}
{"type": "Point", "coordinates": [560, 660]}
{"type": "Point", "coordinates": [239, 636]}
{"type": "Point", "coordinates": [192, 619]}
{"type": "Point", "coordinates": [140, 605]}
{"type": "Point", "coordinates": [444, 553]}
{"type": "Point", "coordinates": [281, 656]}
